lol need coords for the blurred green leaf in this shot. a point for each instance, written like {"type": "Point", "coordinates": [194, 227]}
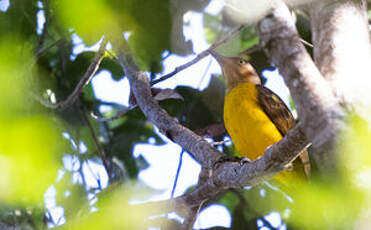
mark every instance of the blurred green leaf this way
{"type": "Point", "coordinates": [29, 147]}
{"type": "Point", "coordinates": [150, 35]}
{"type": "Point", "coordinates": [26, 157]}
{"type": "Point", "coordinates": [115, 212]}
{"type": "Point", "coordinates": [249, 37]}
{"type": "Point", "coordinates": [149, 32]}
{"type": "Point", "coordinates": [229, 200]}
{"type": "Point", "coordinates": [332, 206]}
{"type": "Point", "coordinates": [132, 130]}
{"type": "Point", "coordinates": [75, 69]}
{"type": "Point", "coordinates": [19, 20]}
{"type": "Point", "coordinates": [112, 66]}
{"type": "Point", "coordinates": [263, 200]}
{"type": "Point", "coordinates": [89, 19]}
{"type": "Point", "coordinates": [212, 27]}
{"type": "Point", "coordinates": [204, 108]}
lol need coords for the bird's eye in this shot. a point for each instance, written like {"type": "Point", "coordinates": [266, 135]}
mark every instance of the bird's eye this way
{"type": "Point", "coordinates": [242, 62]}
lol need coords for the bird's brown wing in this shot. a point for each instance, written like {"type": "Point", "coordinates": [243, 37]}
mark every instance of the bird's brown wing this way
{"type": "Point", "coordinates": [280, 115]}
{"type": "Point", "coordinates": [275, 109]}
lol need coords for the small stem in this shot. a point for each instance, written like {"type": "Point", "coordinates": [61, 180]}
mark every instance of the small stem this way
{"type": "Point", "coordinates": [198, 57]}
{"type": "Point", "coordinates": [90, 72]}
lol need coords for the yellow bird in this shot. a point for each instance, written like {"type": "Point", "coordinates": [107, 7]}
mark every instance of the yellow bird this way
{"type": "Point", "coordinates": [255, 117]}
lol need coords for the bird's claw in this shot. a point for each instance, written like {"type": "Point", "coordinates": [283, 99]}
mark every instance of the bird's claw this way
{"type": "Point", "coordinates": [226, 158]}
{"type": "Point", "coordinates": [244, 160]}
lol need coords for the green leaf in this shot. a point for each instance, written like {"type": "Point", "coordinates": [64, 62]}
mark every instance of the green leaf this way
{"type": "Point", "coordinates": [230, 200]}
{"type": "Point", "coordinates": [76, 69]}
{"type": "Point", "coordinates": [249, 37]}
{"type": "Point", "coordinates": [133, 129]}
{"type": "Point", "coordinates": [150, 32]}
{"type": "Point", "coordinates": [148, 22]}
{"type": "Point", "coordinates": [89, 19]}
{"type": "Point", "coordinates": [212, 27]}
{"type": "Point", "coordinates": [202, 108]}
{"type": "Point", "coordinates": [112, 66]}
{"type": "Point", "coordinates": [19, 20]}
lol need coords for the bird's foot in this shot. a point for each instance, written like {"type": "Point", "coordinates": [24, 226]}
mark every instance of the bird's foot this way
{"type": "Point", "coordinates": [227, 158]}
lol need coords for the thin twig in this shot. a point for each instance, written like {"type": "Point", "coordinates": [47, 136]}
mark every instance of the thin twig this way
{"type": "Point", "coordinates": [117, 116]}
{"type": "Point", "coordinates": [215, 143]}
{"type": "Point", "coordinates": [198, 57]}
{"type": "Point", "coordinates": [82, 174]}
{"type": "Point", "coordinates": [139, 84]}
{"type": "Point", "coordinates": [50, 218]}
{"type": "Point", "coordinates": [92, 69]}
{"type": "Point", "coordinates": [96, 141]}
{"type": "Point", "coordinates": [306, 43]}
{"type": "Point", "coordinates": [191, 217]}
{"type": "Point", "coordinates": [177, 173]}
{"type": "Point", "coordinates": [42, 51]}
{"type": "Point", "coordinates": [205, 73]}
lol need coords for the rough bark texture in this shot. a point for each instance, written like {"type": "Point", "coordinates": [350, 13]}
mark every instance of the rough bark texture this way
{"type": "Point", "coordinates": [341, 48]}
{"type": "Point", "coordinates": [140, 86]}
{"type": "Point", "coordinates": [237, 175]}
{"type": "Point", "coordinates": [317, 106]}
{"type": "Point", "coordinates": [341, 51]}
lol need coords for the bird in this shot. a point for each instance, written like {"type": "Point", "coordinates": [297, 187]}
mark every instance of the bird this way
{"type": "Point", "coordinates": [255, 117]}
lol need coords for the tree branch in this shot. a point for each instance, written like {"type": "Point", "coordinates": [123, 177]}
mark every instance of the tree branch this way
{"type": "Point", "coordinates": [92, 69]}
{"type": "Point", "coordinates": [139, 83]}
{"type": "Point", "coordinates": [191, 217]}
{"type": "Point", "coordinates": [342, 57]}
{"type": "Point", "coordinates": [236, 175]}
{"type": "Point", "coordinates": [115, 117]}
{"type": "Point", "coordinates": [198, 57]}
{"type": "Point", "coordinates": [317, 106]}
{"type": "Point", "coordinates": [98, 145]}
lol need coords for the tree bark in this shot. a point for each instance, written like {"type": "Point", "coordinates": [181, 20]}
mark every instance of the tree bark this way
{"type": "Point", "coordinates": [318, 108]}
{"type": "Point", "coordinates": [341, 50]}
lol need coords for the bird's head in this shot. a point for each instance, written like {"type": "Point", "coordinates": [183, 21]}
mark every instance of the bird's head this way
{"type": "Point", "coordinates": [236, 70]}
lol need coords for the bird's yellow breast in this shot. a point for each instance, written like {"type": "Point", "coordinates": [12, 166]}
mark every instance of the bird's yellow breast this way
{"type": "Point", "coordinates": [250, 128]}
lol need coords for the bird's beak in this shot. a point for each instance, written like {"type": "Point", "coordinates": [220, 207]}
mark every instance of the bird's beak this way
{"type": "Point", "coordinates": [223, 61]}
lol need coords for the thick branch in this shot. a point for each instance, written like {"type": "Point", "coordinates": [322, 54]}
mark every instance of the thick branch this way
{"type": "Point", "coordinates": [317, 106]}
{"type": "Point", "coordinates": [98, 145]}
{"type": "Point", "coordinates": [342, 47]}
{"type": "Point", "coordinates": [311, 93]}
{"type": "Point", "coordinates": [237, 175]}
{"type": "Point", "coordinates": [139, 83]}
